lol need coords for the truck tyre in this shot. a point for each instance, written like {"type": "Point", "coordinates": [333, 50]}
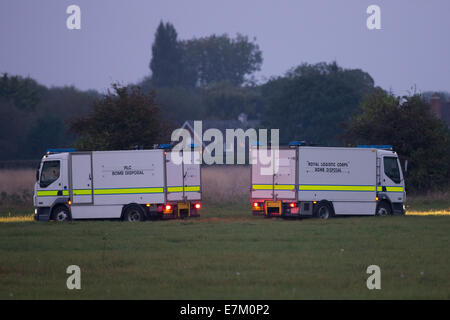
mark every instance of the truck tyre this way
{"type": "Point", "coordinates": [134, 213]}
{"type": "Point", "coordinates": [323, 211]}
{"type": "Point", "coordinates": [383, 209]}
{"type": "Point", "coordinates": [60, 214]}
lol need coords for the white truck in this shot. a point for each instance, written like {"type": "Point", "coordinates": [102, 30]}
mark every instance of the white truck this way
{"type": "Point", "coordinates": [305, 181]}
{"type": "Point", "coordinates": [132, 185]}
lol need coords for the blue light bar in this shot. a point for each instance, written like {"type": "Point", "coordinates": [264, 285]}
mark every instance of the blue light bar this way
{"type": "Point", "coordinates": [60, 150]}
{"type": "Point", "coordinates": [296, 143]}
{"type": "Point", "coordinates": [385, 146]}
{"type": "Point", "coordinates": [256, 143]}
{"type": "Point", "coordinates": [164, 146]}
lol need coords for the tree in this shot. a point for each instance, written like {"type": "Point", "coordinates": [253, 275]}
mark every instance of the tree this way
{"type": "Point", "coordinates": [166, 63]}
{"type": "Point", "coordinates": [18, 100]}
{"type": "Point", "coordinates": [311, 101]}
{"type": "Point", "coordinates": [32, 116]}
{"type": "Point", "coordinates": [214, 59]}
{"type": "Point", "coordinates": [227, 101]}
{"type": "Point", "coordinates": [122, 119]}
{"type": "Point", "coordinates": [13, 125]}
{"type": "Point", "coordinates": [203, 61]}
{"type": "Point", "coordinates": [46, 132]}
{"type": "Point", "coordinates": [408, 124]}
{"type": "Point", "coordinates": [24, 93]}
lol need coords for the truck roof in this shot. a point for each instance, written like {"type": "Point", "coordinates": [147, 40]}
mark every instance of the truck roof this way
{"type": "Point", "coordinates": [65, 155]}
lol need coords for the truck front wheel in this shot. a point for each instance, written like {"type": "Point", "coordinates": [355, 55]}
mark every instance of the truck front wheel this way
{"type": "Point", "coordinates": [60, 214]}
{"type": "Point", "coordinates": [134, 213]}
{"type": "Point", "coordinates": [383, 209]}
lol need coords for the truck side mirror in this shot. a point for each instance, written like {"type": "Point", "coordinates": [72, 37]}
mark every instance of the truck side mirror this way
{"type": "Point", "coordinates": [406, 165]}
{"type": "Point", "coordinates": [37, 174]}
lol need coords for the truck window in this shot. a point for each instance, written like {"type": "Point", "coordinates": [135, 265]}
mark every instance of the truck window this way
{"type": "Point", "coordinates": [50, 173]}
{"type": "Point", "coordinates": [391, 168]}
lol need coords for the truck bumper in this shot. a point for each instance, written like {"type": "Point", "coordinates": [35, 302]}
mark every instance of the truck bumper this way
{"type": "Point", "coordinates": [398, 208]}
{"type": "Point", "coordinates": [194, 213]}
{"type": "Point", "coordinates": [168, 216]}
{"type": "Point", "coordinates": [181, 210]}
{"type": "Point", "coordinates": [42, 214]}
{"type": "Point", "coordinates": [291, 215]}
{"type": "Point", "coordinates": [258, 212]}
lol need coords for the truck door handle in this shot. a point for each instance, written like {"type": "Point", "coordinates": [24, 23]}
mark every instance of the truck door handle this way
{"type": "Point", "coordinates": [59, 193]}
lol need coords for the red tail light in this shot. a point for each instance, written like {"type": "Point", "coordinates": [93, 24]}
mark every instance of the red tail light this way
{"type": "Point", "coordinates": [292, 204]}
{"type": "Point", "coordinates": [168, 207]}
{"type": "Point", "coordinates": [197, 206]}
{"type": "Point", "coordinates": [255, 204]}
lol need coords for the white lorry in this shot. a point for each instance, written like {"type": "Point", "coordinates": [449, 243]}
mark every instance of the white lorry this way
{"type": "Point", "coordinates": [307, 181]}
{"type": "Point", "coordinates": [132, 185]}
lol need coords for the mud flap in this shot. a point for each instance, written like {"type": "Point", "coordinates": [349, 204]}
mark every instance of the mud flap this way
{"type": "Point", "coordinates": [272, 208]}
{"type": "Point", "coordinates": [184, 209]}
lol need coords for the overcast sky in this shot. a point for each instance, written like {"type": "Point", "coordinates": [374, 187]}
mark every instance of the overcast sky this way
{"type": "Point", "coordinates": [114, 43]}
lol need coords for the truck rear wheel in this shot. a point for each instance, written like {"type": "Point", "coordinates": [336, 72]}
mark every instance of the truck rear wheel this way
{"type": "Point", "coordinates": [323, 211]}
{"type": "Point", "coordinates": [134, 213]}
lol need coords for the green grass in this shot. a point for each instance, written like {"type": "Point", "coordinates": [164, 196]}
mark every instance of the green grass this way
{"type": "Point", "coordinates": [428, 204]}
{"type": "Point", "coordinates": [227, 254]}
{"type": "Point", "coordinates": [16, 210]}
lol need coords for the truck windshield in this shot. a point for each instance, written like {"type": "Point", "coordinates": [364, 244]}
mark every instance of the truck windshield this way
{"type": "Point", "coordinates": [49, 174]}
{"type": "Point", "coordinates": [391, 169]}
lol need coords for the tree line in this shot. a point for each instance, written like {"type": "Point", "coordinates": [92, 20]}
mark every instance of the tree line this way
{"type": "Point", "coordinates": [213, 78]}
{"type": "Point", "coordinates": [34, 117]}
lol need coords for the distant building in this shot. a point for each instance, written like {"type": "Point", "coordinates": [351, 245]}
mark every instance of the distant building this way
{"type": "Point", "coordinates": [241, 123]}
{"type": "Point", "coordinates": [440, 108]}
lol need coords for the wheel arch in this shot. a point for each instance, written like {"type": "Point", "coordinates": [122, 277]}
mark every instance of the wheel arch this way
{"type": "Point", "coordinates": [384, 198]}
{"type": "Point", "coordinates": [324, 201]}
{"type": "Point", "coordinates": [60, 205]}
{"type": "Point", "coordinates": [60, 202]}
{"type": "Point", "coordinates": [132, 204]}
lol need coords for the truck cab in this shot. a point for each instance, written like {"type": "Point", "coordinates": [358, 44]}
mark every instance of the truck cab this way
{"type": "Point", "coordinates": [51, 188]}
{"type": "Point", "coordinates": [391, 192]}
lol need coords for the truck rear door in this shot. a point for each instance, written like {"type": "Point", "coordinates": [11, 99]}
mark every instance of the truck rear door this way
{"type": "Point", "coordinates": [285, 174]}
{"type": "Point", "coordinates": [261, 174]}
{"type": "Point", "coordinates": [273, 174]}
{"type": "Point", "coordinates": [174, 179]}
{"type": "Point", "coordinates": [192, 177]}
{"type": "Point", "coordinates": [183, 180]}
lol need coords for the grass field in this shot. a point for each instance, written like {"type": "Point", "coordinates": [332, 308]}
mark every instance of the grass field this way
{"type": "Point", "coordinates": [227, 253]}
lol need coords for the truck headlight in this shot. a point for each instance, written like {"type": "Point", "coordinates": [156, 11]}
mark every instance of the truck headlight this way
{"type": "Point", "coordinates": [35, 211]}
